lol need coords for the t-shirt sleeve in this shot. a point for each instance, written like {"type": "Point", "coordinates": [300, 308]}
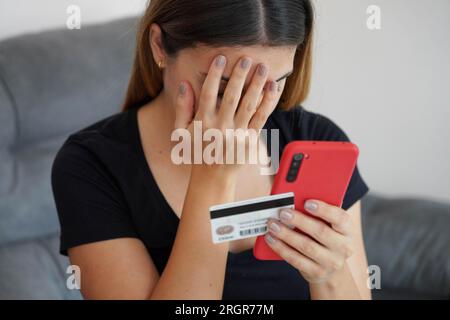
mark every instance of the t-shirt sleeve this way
{"type": "Point", "coordinates": [314, 126]}
{"type": "Point", "coordinates": [90, 204]}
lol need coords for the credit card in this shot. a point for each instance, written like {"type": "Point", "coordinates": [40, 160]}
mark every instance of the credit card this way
{"type": "Point", "coordinates": [247, 218]}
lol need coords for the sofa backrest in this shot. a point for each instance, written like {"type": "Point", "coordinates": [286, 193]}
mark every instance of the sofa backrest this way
{"type": "Point", "coordinates": [52, 84]}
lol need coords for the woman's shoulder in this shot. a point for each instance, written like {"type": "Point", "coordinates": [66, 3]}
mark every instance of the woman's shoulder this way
{"type": "Point", "coordinates": [88, 177]}
{"type": "Point", "coordinates": [107, 135]}
{"type": "Point", "coordinates": [302, 124]}
{"type": "Point", "coordinates": [99, 148]}
{"type": "Point", "coordinates": [117, 127]}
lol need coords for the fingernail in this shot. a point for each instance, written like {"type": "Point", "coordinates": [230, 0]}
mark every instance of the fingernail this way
{"type": "Point", "coordinates": [285, 215]}
{"type": "Point", "coordinates": [269, 238]}
{"type": "Point", "coordinates": [262, 70]}
{"type": "Point", "coordinates": [245, 63]}
{"type": "Point", "coordinates": [220, 61]}
{"type": "Point", "coordinates": [273, 86]}
{"type": "Point", "coordinates": [273, 226]}
{"type": "Point", "coordinates": [311, 206]}
{"type": "Point", "coordinates": [182, 88]}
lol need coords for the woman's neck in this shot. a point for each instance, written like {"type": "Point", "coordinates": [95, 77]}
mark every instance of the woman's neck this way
{"type": "Point", "coordinates": [161, 114]}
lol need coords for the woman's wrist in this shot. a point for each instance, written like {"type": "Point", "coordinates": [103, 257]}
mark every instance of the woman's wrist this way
{"type": "Point", "coordinates": [340, 285]}
{"type": "Point", "coordinates": [215, 172]}
{"type": "Point", "coordinates": [217, 184]}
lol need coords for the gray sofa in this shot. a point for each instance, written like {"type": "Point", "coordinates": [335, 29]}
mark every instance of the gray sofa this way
{"type": "Point", "coordinates": [54, 83]}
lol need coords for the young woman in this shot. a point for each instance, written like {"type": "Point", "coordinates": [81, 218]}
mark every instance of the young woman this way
{"type": "Point", "coordinates": [138, 225]}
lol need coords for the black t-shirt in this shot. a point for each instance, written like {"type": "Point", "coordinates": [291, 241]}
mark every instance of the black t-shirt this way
{"type": "Point", "coordinates": [104, 189]}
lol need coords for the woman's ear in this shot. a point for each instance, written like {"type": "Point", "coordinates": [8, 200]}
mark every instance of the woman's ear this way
{"type": "Point", "coordinates": [156, 44]}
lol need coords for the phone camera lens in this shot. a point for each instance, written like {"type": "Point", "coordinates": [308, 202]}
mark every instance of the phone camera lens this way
{"type": "Point", "coordinates": [290, 178]}
{"type": "Point", "coordinates": [298, 157]}
{"type": "Point", "coordinates": [295, 167]}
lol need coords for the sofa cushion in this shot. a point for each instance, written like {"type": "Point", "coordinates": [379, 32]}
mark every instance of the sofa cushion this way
{"type": "Point", "coordinates": [52, 84]}
{"type": "Point", "coordinates": [61, 80]}
{"type": "Point", "coordinates": [409, 238]}
{"type": "Point", "coordinates": [7, 139]}
{"type": "Point", "coordinates": [28, 210]}
{"type": "Point", "coordinates": [34, 270]}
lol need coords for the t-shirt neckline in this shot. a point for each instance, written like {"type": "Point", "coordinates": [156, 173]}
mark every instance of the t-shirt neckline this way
{"type": "Point", "coordinates": [172, 216]}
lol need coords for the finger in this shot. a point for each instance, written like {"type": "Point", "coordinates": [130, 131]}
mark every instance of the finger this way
{"type": "Point", "coordinates": [252, 98]}
{"type": "Point", "coordinates": [266, 107]}
{"type": "Point", "coordinates": [210, 87]}
{"type": "Point", "coordinates": [306, 246]}
{"type": "Point", "coordinates": [337, 217]}
{"type": "Point", "coordinates": [184, 106]}
{"type": "Point", "coordinates": [293, 257]}
{"type": "Point", "coordinates": [317, 229]}
{"type": "Point", "coordinates": [233, 90]}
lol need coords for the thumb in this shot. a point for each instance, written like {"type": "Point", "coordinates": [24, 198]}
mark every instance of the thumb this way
{"type": "Point", "coordinates": [184, 108]}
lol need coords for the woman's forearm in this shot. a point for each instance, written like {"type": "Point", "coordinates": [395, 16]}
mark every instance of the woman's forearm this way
{"type": "Point", "coordinates": [196, 266]}
{"type": "Point", "coordinates": [341, 286]}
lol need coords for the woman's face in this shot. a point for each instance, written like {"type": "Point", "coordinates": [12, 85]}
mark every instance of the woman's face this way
{"type": "Point", "coordinates": [192, 65]}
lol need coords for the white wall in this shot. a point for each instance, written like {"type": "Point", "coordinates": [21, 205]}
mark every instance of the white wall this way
{"type": "Point", "coordinates": [20, 16]}
{"type": "Point", "coordinates": [388, 89]}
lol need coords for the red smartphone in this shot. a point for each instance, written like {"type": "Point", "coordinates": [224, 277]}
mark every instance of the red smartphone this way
{"type": "Point", "coordinates": [312, 170]}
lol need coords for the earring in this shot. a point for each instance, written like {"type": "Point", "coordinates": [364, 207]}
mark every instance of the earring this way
{"type": "Point", "coordinates": [159, 64]}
